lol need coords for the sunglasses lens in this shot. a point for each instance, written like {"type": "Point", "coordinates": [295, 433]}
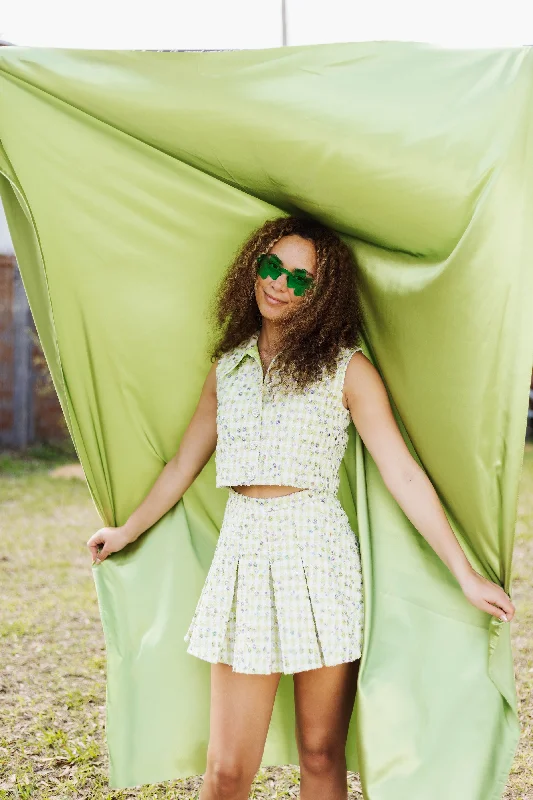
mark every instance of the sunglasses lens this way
{"type": "Point", "coordinates": [300, 289]}
{"type": "Point", "coordinates": [299, 281]}
{"type": "Point", "coordinates": [270, 266]}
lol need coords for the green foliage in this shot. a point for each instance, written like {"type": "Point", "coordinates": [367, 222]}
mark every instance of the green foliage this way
{"type": "Point", "coordinates": [37, 458]}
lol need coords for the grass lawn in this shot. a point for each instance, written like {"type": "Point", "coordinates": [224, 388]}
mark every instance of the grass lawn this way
{"type": "Point", "coordinates": [52, 667]}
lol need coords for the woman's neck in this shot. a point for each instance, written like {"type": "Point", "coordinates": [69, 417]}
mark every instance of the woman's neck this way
{"type": "Point", "coordinates": [269, 337]}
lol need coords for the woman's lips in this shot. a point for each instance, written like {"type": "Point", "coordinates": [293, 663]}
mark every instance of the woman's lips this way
{"type": "Point", "coordinates": [272, 301]}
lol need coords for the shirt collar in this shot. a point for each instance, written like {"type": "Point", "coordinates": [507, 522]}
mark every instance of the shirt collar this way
{"type": "Point", "coordinates": [247, 348]}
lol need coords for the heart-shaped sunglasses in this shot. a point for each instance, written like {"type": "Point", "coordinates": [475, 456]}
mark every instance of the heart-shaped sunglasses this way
{"type": "Point", "coordinates": [270, 265]}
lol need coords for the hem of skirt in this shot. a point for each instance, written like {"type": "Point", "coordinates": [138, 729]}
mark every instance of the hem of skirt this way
{"type": "Point", "coordinates": [217, 660]}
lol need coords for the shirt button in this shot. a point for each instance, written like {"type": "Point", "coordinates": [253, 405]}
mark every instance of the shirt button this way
{"type": "Point", "coordinates": [256, 412]}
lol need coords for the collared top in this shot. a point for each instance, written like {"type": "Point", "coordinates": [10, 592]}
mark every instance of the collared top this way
{"type": "Point", "coordinates": [278, 438]}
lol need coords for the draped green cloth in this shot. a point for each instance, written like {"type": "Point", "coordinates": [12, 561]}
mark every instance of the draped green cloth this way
{"type": "Point", "coordinates": [129, 179]}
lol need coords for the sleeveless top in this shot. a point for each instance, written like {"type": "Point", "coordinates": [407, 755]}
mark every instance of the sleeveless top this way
{"type": "Point", "coordinates": [278, 438]}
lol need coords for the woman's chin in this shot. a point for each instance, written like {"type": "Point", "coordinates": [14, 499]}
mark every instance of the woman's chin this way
{"type": "Point", "coordinates": [272, 313]}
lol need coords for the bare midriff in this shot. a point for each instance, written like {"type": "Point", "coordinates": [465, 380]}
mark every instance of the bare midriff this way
{"type": "Point", "coordinates": [265, 491]}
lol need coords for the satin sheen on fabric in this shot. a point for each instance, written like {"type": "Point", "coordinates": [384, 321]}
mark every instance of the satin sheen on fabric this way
{"type": "Point", "coordinates": [129, 179]}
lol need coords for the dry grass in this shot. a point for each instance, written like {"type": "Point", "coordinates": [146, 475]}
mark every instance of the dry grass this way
{"type": "Point", "coordinates": [52, 678]}
{"type": "Point", "coordinates": [520, 784]}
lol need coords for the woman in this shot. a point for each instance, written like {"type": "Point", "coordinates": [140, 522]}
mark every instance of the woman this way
{"type": "Point", "coordinates": [284, 590]}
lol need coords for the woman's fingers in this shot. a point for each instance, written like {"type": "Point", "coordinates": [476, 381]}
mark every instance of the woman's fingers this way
{"type": "Point", "coordinates": [102, 555]}
{"type": "Point", "coordinates": [489, 597]}
{"type": "Point", "coordinates": [500, 600]}
{"type": "Point", "coordinates": [92, 544]}
{"type": "Point", "coordinates": [106, 541]}
{"type": "Point", "coordinates": [96, 545]}
{"type": "Point", "coordinates": [496, 611]}
{"type": "Point", "coordinates": [499, 605]}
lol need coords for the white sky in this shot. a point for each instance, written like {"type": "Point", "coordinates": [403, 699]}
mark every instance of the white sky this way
{"type": "Point", "coordinates": [213, 24]}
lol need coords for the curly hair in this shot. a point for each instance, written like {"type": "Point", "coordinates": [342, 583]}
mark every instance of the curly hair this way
{"type": "Point", "coordinates": [328, 318]}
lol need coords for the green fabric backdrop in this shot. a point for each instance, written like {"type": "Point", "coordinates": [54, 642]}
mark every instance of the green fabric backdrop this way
{"type": "Point", "coordinates": [129, 178]}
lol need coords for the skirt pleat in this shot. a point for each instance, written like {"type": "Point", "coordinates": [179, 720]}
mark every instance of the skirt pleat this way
{"type": "Point", "coordinates": [253, 641]}
{"type": "Point", "coordinates": [208, 631]}
{"type": "Point", "coordinates": [284, 590]}
{"type": "Point", "coordinates": [299, 641]}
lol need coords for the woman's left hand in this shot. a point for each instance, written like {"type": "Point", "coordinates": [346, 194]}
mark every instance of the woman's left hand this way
{"type": "Point", "coordinates": [488, 596]}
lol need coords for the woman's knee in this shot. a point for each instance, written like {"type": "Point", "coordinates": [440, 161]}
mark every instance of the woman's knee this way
{"type": "Point", "coordinates": [227, 776]}
{"type": "Point", "coordinates": [319, 756]}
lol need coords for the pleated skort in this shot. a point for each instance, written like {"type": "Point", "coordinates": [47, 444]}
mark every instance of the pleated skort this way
{"type": "Point", "coordinates": [284, 589]}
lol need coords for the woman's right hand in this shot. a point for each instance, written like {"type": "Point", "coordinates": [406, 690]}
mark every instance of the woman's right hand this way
{"type": "Point", "coordinates": [197, 445]}
{"type": "Point", "coordinates": [110, 540]}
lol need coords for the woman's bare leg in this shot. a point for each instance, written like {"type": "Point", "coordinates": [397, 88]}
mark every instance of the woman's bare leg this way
{"type": "Point", "coordinates": [324, 700]}
{"type": "Point", "coordinates": [240, 713]}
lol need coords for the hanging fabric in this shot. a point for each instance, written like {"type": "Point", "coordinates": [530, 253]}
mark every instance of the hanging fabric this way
{"type": "Point", "coordinates": [129, 179]}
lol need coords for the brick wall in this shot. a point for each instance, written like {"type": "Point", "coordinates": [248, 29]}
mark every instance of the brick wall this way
{"type": "Point", "coordinates": [30, 411]}
{"type": "Point", "coordinates": [49, 422]}
{"type": "Point", "coordinates": [6, 343]}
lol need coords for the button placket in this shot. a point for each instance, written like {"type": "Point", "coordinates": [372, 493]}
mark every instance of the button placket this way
{"type": "Point", "coordinates": [258, 414]}
{"type": "Point", "coordinates": [255, 435]}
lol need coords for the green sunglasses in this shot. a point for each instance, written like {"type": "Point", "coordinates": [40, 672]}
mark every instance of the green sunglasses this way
{"type": "Point", "coordinates": [270, 266]}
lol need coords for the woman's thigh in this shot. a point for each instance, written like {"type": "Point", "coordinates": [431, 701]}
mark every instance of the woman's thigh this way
{"type": "Point", "coordinates": [240, 713]}
{"type": "Point", "coordinates": [324, 700]}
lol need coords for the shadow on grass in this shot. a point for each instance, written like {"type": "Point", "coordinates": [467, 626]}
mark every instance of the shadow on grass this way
{"type": "Point", "coordinates": [36, 458]}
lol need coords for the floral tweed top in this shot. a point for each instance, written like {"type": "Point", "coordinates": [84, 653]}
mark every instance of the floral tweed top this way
{"type": "Point", "coordinates": [278, 438]}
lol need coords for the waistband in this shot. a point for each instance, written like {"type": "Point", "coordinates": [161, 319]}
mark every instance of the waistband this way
{"type": "Point", "coordinates": [293, 498]}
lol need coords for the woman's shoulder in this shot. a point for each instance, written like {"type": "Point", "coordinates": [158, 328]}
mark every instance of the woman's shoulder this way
{"type": "Point", "coordinates": [228, 360]}
{"type": "Point", "coordinates": [350, 348]}
{"type": "Point", "coordinates": [346, 352]}
{"type": "Point", "coordinates": [344, 358]}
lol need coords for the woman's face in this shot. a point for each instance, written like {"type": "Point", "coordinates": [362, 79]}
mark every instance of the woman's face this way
{"type": "Point", "coordinates": [273, 297]}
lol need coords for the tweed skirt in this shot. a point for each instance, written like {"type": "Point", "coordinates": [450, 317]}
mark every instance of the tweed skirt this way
{"type": "Point", "coordinates": [284, 589]}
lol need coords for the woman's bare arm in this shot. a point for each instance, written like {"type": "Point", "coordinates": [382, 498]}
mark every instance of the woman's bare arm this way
{"type": "Point", "coordinates": [196, 448]}
{"type": "Point", "coordinates": [372, 415]}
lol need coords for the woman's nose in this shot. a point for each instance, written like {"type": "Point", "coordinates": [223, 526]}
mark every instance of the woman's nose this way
{"type": "Point", "coordinates": [281, 281]}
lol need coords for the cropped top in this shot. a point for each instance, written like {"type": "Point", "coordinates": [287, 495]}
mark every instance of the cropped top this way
{"type": "Point", "coordinates": [278, 438]}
